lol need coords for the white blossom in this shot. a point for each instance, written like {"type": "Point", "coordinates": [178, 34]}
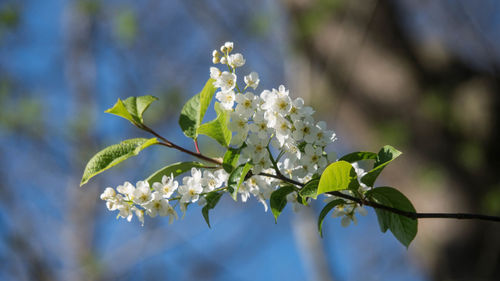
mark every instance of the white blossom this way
{"type": "Point", "coordinates": [282, 104]}
{"type": "Point", "coordinates": [108, 194]}
{"type": "Point", "coordinates": [323, 136]}
{"type": "Point", "coordinates": [238, 123]}
{"type": "Point", "coordinates": [112, 199]}
{"type": "Point", "coordinates": [126, 189]}
{"type": "Point", "coordinates": [226, 99]}
{"type": "Point", "coordinates": [288, 167]}
{"type": "Point", "coordinates": [211, 181]}
{"type": "Point", "coordinates": [142, 193]}
{"type": "Point", "coordinates": [114, 203]}
{"type": "Point", "coordinates": [262, 164]}
{"type": "Point", "coordinates": [215, 73]}
{"type": "Point", "coordinates": [268, 99]}
{"type": "Point", "coordinates": [191, 187]}
{"type": "Point", "coordinates": [281, 92]}
{"type": "Point", "coordinates": [292, 198]}
{"type": "Point", "coordinates": [157, 206]}
{"type": "Point", "coordinates": [282, 127]}
{"type": "Point", "coordinates": [244, 191]}
{"type": "Point", "coordinates": [139, 213]}
{"type": "Point", "coordinates": [360, 173]}
{"type": "Point", "coordinates": [226, 81]}
{"type": "Point", "coordinates": [256, 148]}
{"type": "Point", "coordinates": [227, 47]}
{"type": "Point", "coordinates": [259, 126]}
{"type": "Point", "coordinates": [126, 211]}
{"type": "Point", "coordinates": [304, 130]}
{"type": "Point", "coordinates": [252, 80]}
{"type": "Point", "coordinates": [167, 186]}
{"type": "Point", "coordinates": [347, 212]}
{"type": "Point", "coordinates": [313, 156]}
{"type": "Point", "coordinates": [236, 60]}
{"type": "Point", "coordinates": [246, 104]}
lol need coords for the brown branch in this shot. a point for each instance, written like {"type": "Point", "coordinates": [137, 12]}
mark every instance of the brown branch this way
{"type": "Point", "coordinates": [375, 205]}
{"type": "Point", "coordinates": [415, 215]}
{"type": "Point", "coordinates": [170, 144]}
{"type": "Point", "coordinates": [411, 215]}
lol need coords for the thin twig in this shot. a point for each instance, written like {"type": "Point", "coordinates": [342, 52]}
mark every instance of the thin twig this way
{"type": "Point", "coordinates": [414, 215]}
{"type": "Point", "coordinates": [170, 144]}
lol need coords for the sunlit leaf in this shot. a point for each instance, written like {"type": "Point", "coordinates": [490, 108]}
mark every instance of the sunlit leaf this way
{"type": "Point", "coordinates": [217, 128]}
{"type": "Point", "coordinates": [113, 155]}
{"type": "Point", "coordinates": [132, 108]}
{"type": "Point", "coordinates": [339, 175]}
{"type": "Point", "coordinates": [194, 110]}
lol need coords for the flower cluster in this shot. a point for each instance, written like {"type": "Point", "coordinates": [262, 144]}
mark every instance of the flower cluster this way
{"type": "Point", "coordinates": [275, 133]}
{"type": "Point", "coordinates": [140, 199]}
{"type": "Point", "coordinates": [271, 121]}
{"type": "Point", "coordinates": [154, 200]}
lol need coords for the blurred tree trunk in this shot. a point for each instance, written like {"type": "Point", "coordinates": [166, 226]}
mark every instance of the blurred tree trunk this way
{"type": "Point", "coordinates": [79, 35]}
{"type": "Point", "coordinates": [443, 113]}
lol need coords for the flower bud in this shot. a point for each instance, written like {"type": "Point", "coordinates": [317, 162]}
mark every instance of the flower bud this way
{"type": "Point", "coordinates": [229, 46]}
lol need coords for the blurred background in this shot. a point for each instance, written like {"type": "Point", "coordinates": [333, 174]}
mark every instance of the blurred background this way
{"type": "Point", "coordinates": [419, 75]}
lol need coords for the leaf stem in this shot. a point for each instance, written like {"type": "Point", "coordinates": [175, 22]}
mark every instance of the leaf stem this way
{"type": "Point", "coordinates": [196, 146]}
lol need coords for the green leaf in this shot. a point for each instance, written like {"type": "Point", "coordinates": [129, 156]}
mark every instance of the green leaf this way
{"type": "Point", "coordinates": [236, 178]}
{"type": "Point", "coordinates": [278, 200]}
{"type": "Point", "coordinates": [173, 169]}
{"type": "Point", "coordinates": [358, 156]}
{"type": "Point", "coordinates": [193, 111]}
{"type": "Point", "coordinates": [132, 108]}
{"type": "Point", "coordinates": [310, 189]}
{"type": "Point", "coordinates": [404, 228]}
{"type": "Point", "coordinates": [112, 155]}
{"type": "Point", "coordinates": [325, 211]}
{"type": "Point", "coordinates": [384, 157]}
{"type": "Point", "coordinates": [231, 158]}
{"type": "Point", "coordinates": [212, 200]}
{"type": "Point", "coordinates": [339, 175]}
{"type": "Point", "coordinates": [217, 128]}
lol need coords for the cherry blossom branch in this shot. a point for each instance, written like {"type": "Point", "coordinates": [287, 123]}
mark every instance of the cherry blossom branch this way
{"type": "Point", "coordinates": [375, 205]}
